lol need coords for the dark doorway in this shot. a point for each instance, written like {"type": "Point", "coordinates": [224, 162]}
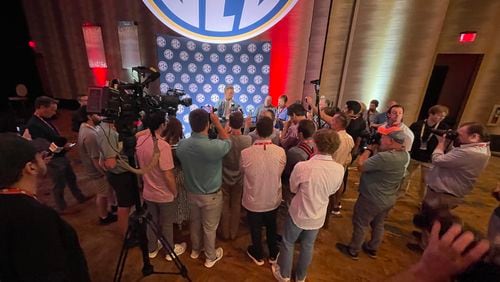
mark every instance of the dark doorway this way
{"type": "Point", "coordinates": [451, 81]}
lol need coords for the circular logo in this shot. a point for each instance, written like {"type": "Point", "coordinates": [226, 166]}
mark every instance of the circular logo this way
{"type": "Point", "coordinates": [214, 78]}
{"type": "Point", "coordinates": [199, 78]}
{"type": "Point", "coordinates": [163, 88]}
{"type": "Point", "coordinates": [162, 65]}
{"type": "Point", "coordinates": [214, 58]}
{"type": "Point", "coordinates": [257, 99]}
{"type": "Point", "coordinates": [170, 77]}
{"type": "Point", "coordinates": [266, 47]}
{"type": "Point", "coordinates": [205, 47]}
{"type": "Point", "coordinates": [229, 79]}
{"type": "Point", "coordinates": [193, 87]}
{"type": "Point", "coordinates": [243, 98]}
{"type": "Point", "coordinates": [207, 88]}
{"type": "Point", "coordinates": [200, 98]}
{"type": "Point", "coordinates": [177, 66]}
{"type": "Point", "coordinates": [183, 55]}
{"type": "Point", "coordinates": [219, 19]}
{"type": "Point", "coordinates": [207, 68]}
{"type": "Point", "coordinates": [191, 45]}
{"type": "Point", "coordinates": [192, 67]}
{"type": "Point", "coordinates": [168, 54]}
{"type": "Point", "coordinates": [251, 88]}
{"type": "Point", "coordinates": [265, 69]}
{"type": "Point", "coordinates": [264, 89]}
{"type": "Point", "coordinates": [220, 88]}
{"type": "Point", "coordinates": [251, 69]}
{"type": "Point", "coordinates": [185, 77]}
{"type": "Point", "coordinates": [244, 58]}
{"type": "Point", "coordinates": [257, 79]}
{"type": "Point", "coordinates": [243, 79]}
{"type": "Point", "coordinates": [258, 58]}
{"type": "Point", "coordinates": [236, 69]}
{"type": "Point", "coordinates": [250, 108]}
{"type": "Point", "coordinates": [160, 41]}
{"type": "Point", "coordinates": [176, 44]}
{"type": "Point", "coordinates": [198, 56]}
{"type": "Point", "coordinates": [237, 88]}
{"type": "Point", "coordinates": [229, 58]}
{"type": "Point", "coordinates": [252, 48]}
{"type": "Point", "coordinates": [221, 48]}
{"type": "Point", "coordinates": [221, 69]}
{"type": "Point", "coordinates": [178, 86]}
{"type": "Point", "coordinates": [214, 98]}
{"type": "Point", "coordinates": [236, 48]}
{"type": "Point", "coordinates": [180, 109]}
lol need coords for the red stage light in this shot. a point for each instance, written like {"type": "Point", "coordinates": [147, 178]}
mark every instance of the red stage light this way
{"type": "Point", "coordinates": [467, 37]}
{"type": "Point", "coordinates": [32, 44]}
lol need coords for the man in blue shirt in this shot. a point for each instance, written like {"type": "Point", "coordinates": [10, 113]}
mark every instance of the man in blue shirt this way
{"type": "Point", "coordinates": [201, 160]}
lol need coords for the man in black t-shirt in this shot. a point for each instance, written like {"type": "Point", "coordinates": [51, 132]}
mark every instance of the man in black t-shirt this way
{"type": "Point", "coordinates": [36, 244]}
{"type": "Point", "coordinates": [357, 125]}
{"type": "Point", "coordinates": [424, 143]}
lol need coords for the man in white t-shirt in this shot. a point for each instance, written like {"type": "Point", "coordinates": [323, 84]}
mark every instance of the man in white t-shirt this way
{"type": "Point", "coordinates": [313, 181]}
{"type": "Point", "coordinates": [262, 165]}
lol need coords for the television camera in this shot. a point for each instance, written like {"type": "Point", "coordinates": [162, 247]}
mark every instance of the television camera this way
{"type": "Point", "coordinates": [130, 99]}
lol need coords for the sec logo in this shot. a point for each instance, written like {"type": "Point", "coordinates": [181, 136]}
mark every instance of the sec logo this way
{"type": "Point", "coordinates": [222, 21]}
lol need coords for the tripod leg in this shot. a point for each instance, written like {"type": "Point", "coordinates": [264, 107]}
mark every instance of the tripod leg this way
{"type": "Point", "coordinates": [123, 257]}
{"type": "Point", "coordinates": [147, 267]}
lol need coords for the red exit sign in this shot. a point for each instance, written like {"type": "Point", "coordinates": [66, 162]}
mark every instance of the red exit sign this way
{"type": "Point", "coordinates": [467, 37]}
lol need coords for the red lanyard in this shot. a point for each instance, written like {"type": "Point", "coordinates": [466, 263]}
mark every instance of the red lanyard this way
{"type": "Point", "coordinates": [17, 191]}
{"type": "Point", "coordinates": [263, 143]}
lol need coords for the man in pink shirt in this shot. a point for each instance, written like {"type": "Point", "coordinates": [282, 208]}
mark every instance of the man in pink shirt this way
{"type": "Point", "coordinates": [262, 165]}
{"type": "Point", "coordinates": [159, 185]}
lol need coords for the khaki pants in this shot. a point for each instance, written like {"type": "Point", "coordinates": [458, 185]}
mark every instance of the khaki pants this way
{"type": "Point", "coordinates": [413, 167]}
{"type": "Point", "coordinates": [231, 210]}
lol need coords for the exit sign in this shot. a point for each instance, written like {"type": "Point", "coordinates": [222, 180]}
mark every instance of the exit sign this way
{"type": "Point", "coordinates": [467, 37]}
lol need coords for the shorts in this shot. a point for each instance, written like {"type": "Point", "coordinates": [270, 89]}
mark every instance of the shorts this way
{"type": "Point", "coordinates": [126, 188]}
{"type": "Point", "coordinates": [100, 185]}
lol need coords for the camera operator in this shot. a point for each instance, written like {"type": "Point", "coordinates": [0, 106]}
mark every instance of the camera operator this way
{"type": "Point", "coordinates": [226, 106]}
{"type": "Point", "coordinates": [455, 172]}
{"type": "Point", "coordinates": [201, 160]}
{"type": "Point", "coordinates": [424, 144]}
{"type": "Point", "coordinates": [59, 168]}
{"type": "Point", "coordinates": [123, 181]}
{"type": "Point", "coordinates": [36, 244]}
{"type": "Point", "coordinates": [381, 175]}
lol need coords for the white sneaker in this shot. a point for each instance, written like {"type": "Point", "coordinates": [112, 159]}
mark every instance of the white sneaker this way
{"type": "Point", "coordinates": [275, 268]}
{"type": "Point", "coordinates": [179, 249]}
{"type": "Point", "coordinates": [154, 253]}
{"type": "Point", "coordinates": [219, 253]}
{"type": "Point", "coordinates": [297, 280]}
{"type": "Point", "coordinates": [195, 254]}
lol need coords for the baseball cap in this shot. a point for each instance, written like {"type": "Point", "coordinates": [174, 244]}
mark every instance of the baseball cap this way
{"type": "Point", "coordinates": [396, 135]}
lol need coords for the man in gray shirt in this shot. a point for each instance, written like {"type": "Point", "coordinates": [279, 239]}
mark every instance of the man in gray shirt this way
{"type": "Point", "coordinates": [232, 180]}
{"type": "Point", "coordinates": [379, 183]}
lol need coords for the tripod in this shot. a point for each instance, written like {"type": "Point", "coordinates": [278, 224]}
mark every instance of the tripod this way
{"type": "Point", "coordinates": [139, 220]}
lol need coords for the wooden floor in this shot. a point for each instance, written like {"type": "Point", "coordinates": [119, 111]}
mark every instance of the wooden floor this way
{"type": "Point", "coordinates": [102, 244]}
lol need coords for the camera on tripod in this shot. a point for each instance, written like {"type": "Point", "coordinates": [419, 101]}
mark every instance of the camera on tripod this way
{"type": "Point", "coordinates": [450, 134]}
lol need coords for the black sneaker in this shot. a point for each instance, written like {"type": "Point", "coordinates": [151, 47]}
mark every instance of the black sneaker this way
{"type": "Point", "coordinates": [369, 252]}
{"type": "Point", "coordinates": [415, 248]}
{"type": "Point", "coordinates": [417, 235]}
{"type": "Point", "coordinates": [346, 250]}
{"type": "Point", "coordinates": [108, 219]}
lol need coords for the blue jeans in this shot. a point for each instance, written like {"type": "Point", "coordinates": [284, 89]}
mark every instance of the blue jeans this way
{"type": "Point", "coordinates": [293, 233]}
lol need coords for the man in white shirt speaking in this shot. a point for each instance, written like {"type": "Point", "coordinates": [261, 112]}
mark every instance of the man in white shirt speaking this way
{"type": "Point", "coordinates": [312, 181]}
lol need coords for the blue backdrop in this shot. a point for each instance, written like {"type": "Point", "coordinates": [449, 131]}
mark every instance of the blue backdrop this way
{"type": "Point", "coordinates": [202, 70]}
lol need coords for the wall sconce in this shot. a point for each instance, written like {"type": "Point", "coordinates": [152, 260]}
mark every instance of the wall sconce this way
{"type": "Point", "coordinates": [129, 44]}
{"type": "Point", "coordinates": [92, 35]}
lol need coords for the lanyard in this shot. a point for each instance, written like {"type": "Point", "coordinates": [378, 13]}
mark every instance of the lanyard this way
{"type": "Point", "coordinates": [17, 191]}
{"type": "Point", "coordinates": [264, 143]}
{"type": "Point", "coordinates": [48, 124]}
{"type": "Point", "coordinates": [423, 129]}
